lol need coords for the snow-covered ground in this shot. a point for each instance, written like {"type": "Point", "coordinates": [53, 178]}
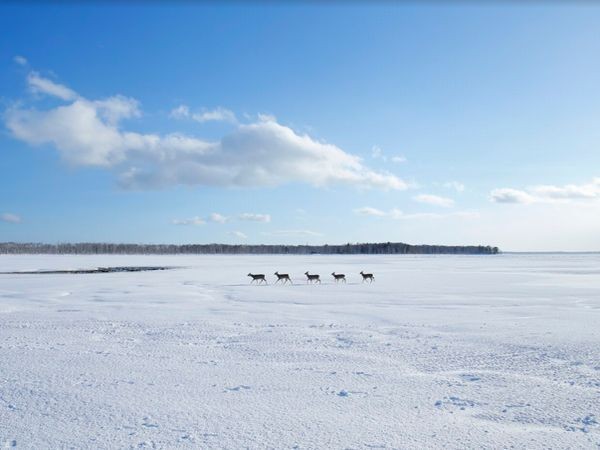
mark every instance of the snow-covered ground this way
{"type": "Point", "coordinates": [439, 352]}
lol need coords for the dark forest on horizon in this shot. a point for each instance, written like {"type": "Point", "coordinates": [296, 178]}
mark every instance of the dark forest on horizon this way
{"type": "Point", "coordinates": [385, 248]}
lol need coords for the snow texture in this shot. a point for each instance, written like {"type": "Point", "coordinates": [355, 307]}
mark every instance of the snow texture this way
{"type": "Point", "coordinates": [438, 352]}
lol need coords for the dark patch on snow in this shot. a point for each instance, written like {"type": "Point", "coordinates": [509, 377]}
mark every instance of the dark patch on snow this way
{"type": "Point", "coordinates": [96, 270]}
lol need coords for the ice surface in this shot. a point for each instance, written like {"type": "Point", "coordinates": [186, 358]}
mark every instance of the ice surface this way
{"type": "Point", "coordinates": [439, 352]}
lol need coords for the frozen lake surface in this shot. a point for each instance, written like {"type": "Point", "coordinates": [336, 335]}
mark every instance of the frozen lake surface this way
{"type": "Point", "coordinates": [439, 352]}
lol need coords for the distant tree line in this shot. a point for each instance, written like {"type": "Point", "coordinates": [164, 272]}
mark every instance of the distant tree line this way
{"type": "Point", "coordinates": [386, 248]}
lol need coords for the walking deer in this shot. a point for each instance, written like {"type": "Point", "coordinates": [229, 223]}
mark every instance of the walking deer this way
{"type": "Point", "coordinates": [311, 278]}
{"type": "Point", "coordinates": [367, 276]}
{"type": "Point", "coordinates": [283, 276]}
{"type": "Point", "coordinates": [338, 276]}
{"type": "Point", "coordinates": [258, 277]}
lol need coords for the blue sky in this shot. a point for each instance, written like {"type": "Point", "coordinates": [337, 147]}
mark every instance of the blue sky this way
{"type": "Point", "coordinates": [435, 123]}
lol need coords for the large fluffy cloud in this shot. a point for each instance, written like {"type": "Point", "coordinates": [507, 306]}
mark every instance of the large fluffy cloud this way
{"type": "Point", "coordinates": [263, 153]}
{"type": "Point", "coordinates": [548, 193]}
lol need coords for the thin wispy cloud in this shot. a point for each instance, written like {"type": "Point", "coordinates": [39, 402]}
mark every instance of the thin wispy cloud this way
{"type": "Point", "coordinates": [191, 221]}
{"type": "Point", "coordinates": [397, 214]}
{"type": "Point", "coordinates": [292, 233]}
{"type": "Point", "coordinates": [508, 195]}
{"type": "Point", "coordinates": [10, 218]}
{"type": "Point", "coordinates": [217, 218]}
{"type": "Point", "coordinates": [265, 218]}
{"type": "Point", "coordinates": [434, 200]}
{"type": "Point", "coordinates": [547, 193]}
{"type": "Point", "coordinates": [259, 154]}
{"type": "Point", "coordinates": [377, 153]}
{"type": "Point", "coordinates": [40, 85]}
{"type": "Point", "coordinates": [20, 60]}
{"type": "Point", "coordinates": [238, 234]}
{"type": "Point", "coordinates": [455, 185]}
{"type": "Point", "coordinates": [218, 114]}
{"type": "Point", "coordinates": [369, 211]}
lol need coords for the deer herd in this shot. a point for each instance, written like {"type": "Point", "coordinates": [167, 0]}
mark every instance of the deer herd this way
{"type": "Point", "coordinates": [310, 278]}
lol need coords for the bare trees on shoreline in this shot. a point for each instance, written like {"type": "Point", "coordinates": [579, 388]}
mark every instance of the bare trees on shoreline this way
{"type": "Point", "coordinates": [385, 248]}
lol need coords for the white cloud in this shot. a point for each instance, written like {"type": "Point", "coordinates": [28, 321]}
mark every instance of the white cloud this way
{"type": "Point", "coordinates": [377, 153]}
{"type": "Point", "coordinates": [217, 218]}
{"type": "Point", "coordinates": [20, 60]}
{"type": "Point", "coordinates": [292, 233]}
{"type": "Point", "coordinates": [398, 159]}
{"type": "Point", "coordinates": [569, 191]}
{"type": "Point", "coordinates": [398, 214]}
{"type": "Point", "coordinates": [265, 218]}
{"type": "Point", "coordinates": [548, 193]}
{"type": "Point", "coordinates": [84, 134]}
{"type": "Point", "coordinates": [116, 108]}
{"type": "Point", "coordinates": [238, 234]}
{"type": "Point", "coordinates": [435, 200]}
{"type": "Point", "coordinates": [41, 85]}
{"type": "Point", "coordinates": [191, 221]}
{"type": "Point", "coordinates": [220, 218]}
{"type": "Point", "coordinates": [10, 218]}
{"type": "Point", "coordinates": [507, 195]}
{"type": "Point", "coordinates": [181, 112]}
{"type": "Point", "coordinates": [369, 211]}
{"type": "Point", "coordinates": [264, 117]}
{"type": "Point", "coordinates": [456, 185]}
{"type": "Point", "coordinates": [263, 153]}
{"type": "Point", "coordinates": [218, 114]}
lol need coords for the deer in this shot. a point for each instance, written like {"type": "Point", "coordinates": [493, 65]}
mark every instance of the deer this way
{"type": "Point", "coordinates": [338, 276]}
{"type": "Point", "coordinates": [283, 276]}
{"type": "Point", "coordinates": [367, 276]}
{"type": "Point", "coordinates": [259, 277]}
{"type": "Point", "coordinates": [311, 278]}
